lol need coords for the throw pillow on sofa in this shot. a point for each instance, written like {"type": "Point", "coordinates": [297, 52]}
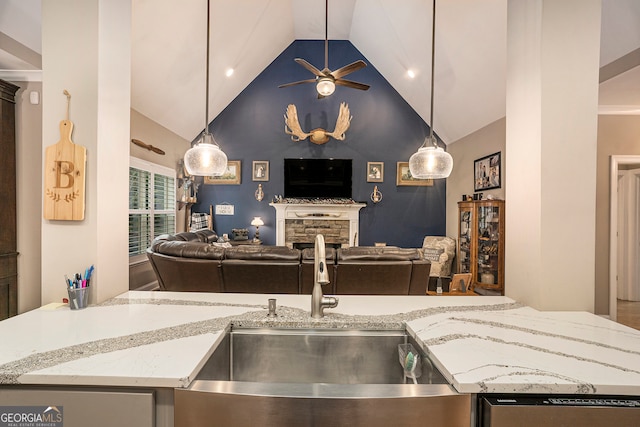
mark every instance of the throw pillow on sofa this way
{"type": "Point", "coordinates": [432, 254]}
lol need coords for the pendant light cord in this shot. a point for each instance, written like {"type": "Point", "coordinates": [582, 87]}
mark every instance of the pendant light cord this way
{"type": "Point", "coordinates": [433, 56]}
{"type": "Point", "coordinates": [206, 95]}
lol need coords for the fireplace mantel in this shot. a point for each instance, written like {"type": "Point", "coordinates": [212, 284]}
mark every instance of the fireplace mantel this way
{"type": "Point", "coordinates": [316, 211]}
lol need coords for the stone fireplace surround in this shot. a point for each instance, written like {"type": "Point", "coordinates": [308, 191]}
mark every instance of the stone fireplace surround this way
{"type": "Point", "coordinates": [300, 222]}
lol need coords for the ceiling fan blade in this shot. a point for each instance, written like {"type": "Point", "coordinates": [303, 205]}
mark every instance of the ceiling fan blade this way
{"type": "Point", "coordinates": [309, 67]}
{"type": "Point", "coordinates": [354, 85]}
{"type": "Point", "coordinates": [156, 150]}
{"type": "Point", "coordinates": [147, 146]}
{"type": "Point", "coordinates": [298, 83]}
{"type": "Point", "coordinates": [348, 69]}
{"type": "Point", "coordinates": [139, 143]}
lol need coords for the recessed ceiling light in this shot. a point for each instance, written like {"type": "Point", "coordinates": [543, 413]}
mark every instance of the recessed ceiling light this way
{"type": "Point", "coordinates": [411, 73]}
{"type": "Point", "coordinates": [229, 72]}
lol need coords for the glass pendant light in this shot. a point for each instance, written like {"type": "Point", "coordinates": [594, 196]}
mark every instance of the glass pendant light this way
{"type": "Point", "coordinates": [431, 161]}
{"type": "Point", "coordinates": [206, 158]}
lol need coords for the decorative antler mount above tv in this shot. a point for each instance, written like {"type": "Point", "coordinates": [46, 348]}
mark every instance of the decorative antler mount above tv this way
{"type": "Point", "coordinates": [317, 136]}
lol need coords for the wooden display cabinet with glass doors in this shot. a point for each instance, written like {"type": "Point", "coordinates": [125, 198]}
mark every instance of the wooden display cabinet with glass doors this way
{"type": "Point", "coordinates": [481, 244]}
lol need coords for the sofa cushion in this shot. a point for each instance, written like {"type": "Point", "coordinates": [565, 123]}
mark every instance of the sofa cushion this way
{"type": "Point", "coordinates": [261, 276]}
{"type": "Point", "coordinates": [308, 254]}
{"type": "Point", "coordinates": [186, 274]}
{"type": "Point", "coordinates": [261, 269]}
{"type": "Point", "coordinates": [262, 253]}
{"type": "Point", "coordinates": [192, 249]}
{"type": "Point", "coordinates": [206, 235]}
{"type": "Point", "coordinates": [373, 278]}
{"type": "Point", "coordinates": [385, 253]}
{"type": "Point", "coordinates": [186, 236]}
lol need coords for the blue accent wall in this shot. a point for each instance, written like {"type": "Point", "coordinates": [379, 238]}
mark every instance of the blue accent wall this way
{"type": "Point", "coordinates": [384, 128]}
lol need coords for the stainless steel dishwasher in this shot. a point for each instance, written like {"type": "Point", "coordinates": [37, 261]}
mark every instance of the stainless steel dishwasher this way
{"type": "Point", "coordinates": [556, 411]}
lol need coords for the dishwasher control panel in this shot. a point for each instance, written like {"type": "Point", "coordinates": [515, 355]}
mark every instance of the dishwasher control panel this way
{"type": "Point", "coordinates": [558, 410]}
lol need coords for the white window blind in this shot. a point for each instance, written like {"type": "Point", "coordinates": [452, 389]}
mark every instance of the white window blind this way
{"type": "Point", "coordinates": [152, 203]}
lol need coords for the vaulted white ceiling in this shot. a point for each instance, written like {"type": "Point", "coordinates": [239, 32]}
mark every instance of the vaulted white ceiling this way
{"type": "Point", "coordinates": [168, 48]}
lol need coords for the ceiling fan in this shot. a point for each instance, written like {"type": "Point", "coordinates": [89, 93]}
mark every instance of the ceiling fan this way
{"type": "Point", "coordinates": [148, 146]}
{"type": "Point", "coordinates": [326, 80]}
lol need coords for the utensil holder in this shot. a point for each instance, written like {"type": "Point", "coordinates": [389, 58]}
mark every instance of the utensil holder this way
{"type": "Point", "coordinates": [78, 298]}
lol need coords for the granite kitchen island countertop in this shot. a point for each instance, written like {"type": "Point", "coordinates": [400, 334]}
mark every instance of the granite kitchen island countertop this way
{"type": "Point", "coordinates": [162, 339]}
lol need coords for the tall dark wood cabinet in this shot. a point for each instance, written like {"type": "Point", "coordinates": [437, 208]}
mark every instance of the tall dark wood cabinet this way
{"type": "Point", "coordinates": [8, 240]}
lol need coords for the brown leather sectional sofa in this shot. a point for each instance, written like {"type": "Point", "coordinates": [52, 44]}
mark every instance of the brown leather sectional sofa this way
{"type": "Point", "coordinates": [190, 262]}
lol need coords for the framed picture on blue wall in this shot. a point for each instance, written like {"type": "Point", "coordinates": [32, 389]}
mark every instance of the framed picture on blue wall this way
{"type": "Point", "coordinates": [375, 171]}
{"type": "Point", "coordinates": [487, 172]}
{"type": "Point", "coordinates": [403, 177]}
{"type": "Point", "coordinates": [230, 176]}
{"type": "Point", "coordinates": [260, 170]}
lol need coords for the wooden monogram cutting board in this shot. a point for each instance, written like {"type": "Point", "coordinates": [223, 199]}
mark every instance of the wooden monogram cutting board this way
{"type": "Point", "coordinates": [64, 177]}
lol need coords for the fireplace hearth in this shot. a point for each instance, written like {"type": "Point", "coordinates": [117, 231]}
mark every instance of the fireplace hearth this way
{"type": "Point", "coordinates": [299, 223]}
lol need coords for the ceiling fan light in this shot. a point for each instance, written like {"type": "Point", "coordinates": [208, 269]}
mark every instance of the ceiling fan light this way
{"type": "Point", "coordinates": [325, 86]}
{"type": "Point", "coordinates": [205, 158]}
{"type": "Point", "coordinates": [430, 162]}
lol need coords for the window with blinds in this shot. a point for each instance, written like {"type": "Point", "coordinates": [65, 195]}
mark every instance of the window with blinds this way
{"type": "Point", "coordinates": [152, 201]}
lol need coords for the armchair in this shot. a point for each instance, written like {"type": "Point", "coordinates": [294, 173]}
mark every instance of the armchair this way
{"type": "Point", "coordinates": [441, 251]}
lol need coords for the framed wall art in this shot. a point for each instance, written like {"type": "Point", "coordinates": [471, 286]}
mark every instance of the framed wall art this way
{"type": "Point", "coordinates": [403, 177]}
{"type": "Point", "coordinates": [375, 171]}
{"type": "Point", "coordinates": [487, 172]}
{"type": "Point", "coordinates": [230, 177]}
{"type": "Point", "coordinates": [260, 170]}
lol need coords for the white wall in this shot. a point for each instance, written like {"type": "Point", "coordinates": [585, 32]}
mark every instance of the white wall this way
{"type": "Point", "coordinates": [552, 100]}
{"type": "Point", "coordinates": [89, 57]}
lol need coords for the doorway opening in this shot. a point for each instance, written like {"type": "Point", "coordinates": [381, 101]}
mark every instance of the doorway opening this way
{"type": "Point", "coordinates": [617, 247]}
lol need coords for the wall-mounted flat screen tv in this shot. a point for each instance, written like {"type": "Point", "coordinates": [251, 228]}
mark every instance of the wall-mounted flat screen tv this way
{"type": "Point", "coordinates": [317, 178]}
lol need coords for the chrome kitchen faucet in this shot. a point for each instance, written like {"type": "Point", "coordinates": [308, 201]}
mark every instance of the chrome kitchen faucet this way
{"type": "Point", "coordinates": [320, 277]}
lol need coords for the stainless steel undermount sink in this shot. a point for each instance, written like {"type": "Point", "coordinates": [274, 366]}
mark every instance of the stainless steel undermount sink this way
{"type": "Point", "coordinates": [317, 377]}
{"type": "Point", "coordinates": [313, 356]}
